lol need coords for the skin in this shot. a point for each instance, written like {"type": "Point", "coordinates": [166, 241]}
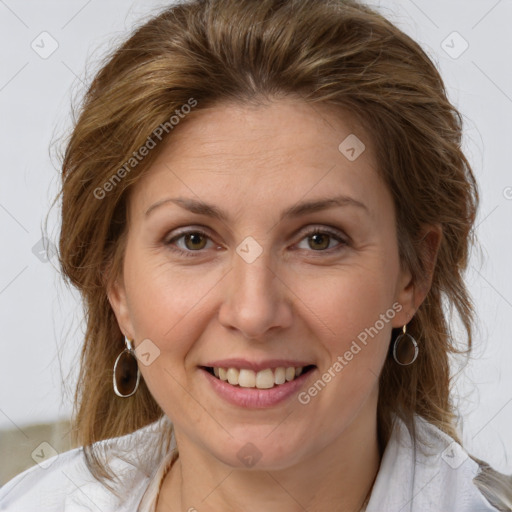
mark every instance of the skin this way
{"type": "Point", "coordinates": [301, 298]}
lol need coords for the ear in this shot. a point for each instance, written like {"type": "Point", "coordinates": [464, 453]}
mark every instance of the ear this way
{"type": "Point", "coordinates": [412, 290]}
{"type": "Point", "coordinates": [116, 293]}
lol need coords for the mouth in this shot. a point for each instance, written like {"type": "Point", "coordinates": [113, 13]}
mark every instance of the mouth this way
{"type": "Point", "coordinates": [267, 378]}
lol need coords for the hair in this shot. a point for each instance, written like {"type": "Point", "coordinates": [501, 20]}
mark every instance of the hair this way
{"type": "Point", "coordinates": [338, 53]}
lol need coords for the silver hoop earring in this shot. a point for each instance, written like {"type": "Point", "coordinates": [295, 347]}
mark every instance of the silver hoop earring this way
{"type": "Point", "coordinates": [126, 372]}
{"type": "Point", "coordinates": [405, 348]}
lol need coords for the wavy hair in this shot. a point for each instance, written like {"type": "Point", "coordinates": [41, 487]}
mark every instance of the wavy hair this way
{"type": "Point", "coordinates": [339, 53]}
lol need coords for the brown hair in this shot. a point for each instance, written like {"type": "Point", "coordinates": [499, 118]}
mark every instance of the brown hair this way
{"type": "Point", "coordinates": [323, 51]}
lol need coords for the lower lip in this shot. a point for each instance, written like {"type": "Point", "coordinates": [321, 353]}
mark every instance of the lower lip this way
{"type": "Point", "coordinates": [253, 397]}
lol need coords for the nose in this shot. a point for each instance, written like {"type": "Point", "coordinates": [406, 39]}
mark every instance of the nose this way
{"type": "Point", "coordinates": [256, 299]}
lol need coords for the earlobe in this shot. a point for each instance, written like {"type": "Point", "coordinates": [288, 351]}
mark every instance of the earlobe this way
{"type": "Point", "coordinates": [116, 294]}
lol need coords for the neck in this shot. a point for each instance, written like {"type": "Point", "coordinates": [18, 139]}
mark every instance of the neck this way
{"type": "Point", "coordinates": [338, 477]}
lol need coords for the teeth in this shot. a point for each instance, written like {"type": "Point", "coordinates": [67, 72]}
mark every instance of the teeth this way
{"type": "Point", "coordinates": [264, 379]}
{"type": "Point", "coordinates": [290, 373]}
{"type": "Point", "coordinates": [280, 375]}
{"type": "Point", "coordinates": [246, 378]}
{"type": "Point", "coordinates": [232, 375]}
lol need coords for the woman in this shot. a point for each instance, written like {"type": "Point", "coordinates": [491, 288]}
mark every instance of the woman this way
{"type": "Point", "coordinates": [265, 206]}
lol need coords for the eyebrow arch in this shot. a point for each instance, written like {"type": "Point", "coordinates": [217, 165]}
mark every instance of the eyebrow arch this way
{"type": "Point", "coordinates": [202, 208]}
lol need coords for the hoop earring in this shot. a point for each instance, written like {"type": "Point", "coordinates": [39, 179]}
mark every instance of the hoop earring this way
{"type": "Point", "coordinates": [402, 350]}
{"type": "Point", "coordinates": [126, 372]}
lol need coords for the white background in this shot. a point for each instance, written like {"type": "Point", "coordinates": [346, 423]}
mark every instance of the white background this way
{"type": "Point", "coordinates": [40, 318]}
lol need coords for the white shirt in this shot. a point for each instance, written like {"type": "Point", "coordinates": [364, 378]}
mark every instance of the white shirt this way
{"type": "Point", "coordinates": [411, 478]}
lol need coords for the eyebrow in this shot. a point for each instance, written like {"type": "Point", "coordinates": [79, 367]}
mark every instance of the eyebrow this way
{"type": "Point", "coordinates": [209, 210]}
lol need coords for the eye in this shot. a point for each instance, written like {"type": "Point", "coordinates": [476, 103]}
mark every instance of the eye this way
{"type": "Point", "coordinates": [320, 239]}
{"type": "Point", "coordinates": [191, 241]}
{"type": "Point", "coordinates": [194, 241]}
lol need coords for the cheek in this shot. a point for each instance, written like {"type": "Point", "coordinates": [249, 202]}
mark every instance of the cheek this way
{"type": "Point", "coordinates": [353, 309]}
{"type": "Point", "coordinates": [166, 306]}
{"type": "Point", "coordinates": [352, 319]}
{"type": "Point", "coordinates": [170, 306]}
{"type": "Point", "coordinates": [164, 298]}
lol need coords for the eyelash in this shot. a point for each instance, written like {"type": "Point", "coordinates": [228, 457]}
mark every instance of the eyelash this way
{"type": "Point", "coordinates": [316, 231]}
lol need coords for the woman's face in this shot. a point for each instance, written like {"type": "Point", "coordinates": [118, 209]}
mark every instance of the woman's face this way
{"type": "Point", "coordinates": [223, 269]}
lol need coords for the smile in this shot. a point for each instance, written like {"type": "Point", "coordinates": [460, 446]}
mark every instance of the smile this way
{"type": "Point", "coordinates": [263, 379]}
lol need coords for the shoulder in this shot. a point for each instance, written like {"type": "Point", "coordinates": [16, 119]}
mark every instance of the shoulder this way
{"type": "Point", "coordinates": [429, 472]}
{"type": "Point", "coordinates": [485, 488]}
{"type": "Point", "coordinates": [64, 482]}
{"type": "Point", "coordinates": [51, 485]}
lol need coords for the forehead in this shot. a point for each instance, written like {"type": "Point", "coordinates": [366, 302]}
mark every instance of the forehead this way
{"type": "Point", "coordinates": [281, 150]}
{"type": "Point", "coordinates": [281, 128]}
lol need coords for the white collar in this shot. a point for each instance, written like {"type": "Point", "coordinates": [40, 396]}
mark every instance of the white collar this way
{"type": "Point", "coordinates": [433, 474]}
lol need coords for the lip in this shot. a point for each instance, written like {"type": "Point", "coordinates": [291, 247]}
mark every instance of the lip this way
{"type": "Point", "coordinates": [253, 398]}
{"type": "Point", "coordinates": [241, 363]}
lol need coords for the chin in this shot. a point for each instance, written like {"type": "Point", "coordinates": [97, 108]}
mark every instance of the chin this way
{"type": "Point", "coordinates": [259, 455]}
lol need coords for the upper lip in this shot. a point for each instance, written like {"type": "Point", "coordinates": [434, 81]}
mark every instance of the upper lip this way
{"type": "Point", "coordinates": [256, 366]}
